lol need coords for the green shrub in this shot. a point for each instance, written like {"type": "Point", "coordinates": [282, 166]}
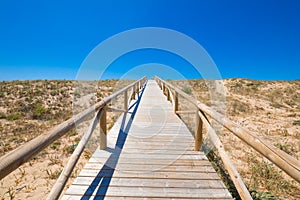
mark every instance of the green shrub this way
{"type": "Point", "coordinates": [40, 112]}
{"type": "Point", "coordinates": [277, 105]}
{"type": "Point", "coordinates": [72, 133]}
{"type": "Point", "coordinates": [296, 122]}
{"type": "Point", "coordinates": [263, 195]}
{"type": "Point", "coordinates": [2, 115]}
{"type": "Point", "coordinates": [187, 90]}
{"type": "Point", "coordinates": [73, 147]}
{"type": "Point", "coordinates": [289, 149]}
{"type": "Point", "coordinates": [55, 145]}
{"type": "Point", "coordinates": [14, 116]}
{"type": "Point", "coordinates": [217, 163]}
{"type": "Point", "coordinates": [70, 149]}
{"type": "Point", "coordinates": [239, 106]}
{"type": "Point", "coordinates": [53, 93]}
{"type": "Point", "coordinates": [53, 174]}
{"type": "Point", "coordinates": [77, 93]}
{"type": "Point", "coordinates": [265, 174]}
{"type": "Point", "coordinates": [292, 115]}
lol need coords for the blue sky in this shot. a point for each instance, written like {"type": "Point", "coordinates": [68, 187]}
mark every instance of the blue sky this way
{"type": "Point", "coordinates": [257, 39]}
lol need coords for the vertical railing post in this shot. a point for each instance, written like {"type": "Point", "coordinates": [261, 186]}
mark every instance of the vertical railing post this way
{"type": "Point", "coordinates": [103, 129]}
{"type": "Point", "coordinates": [133, 92]}
{"type": "Point", "coordinates": [175, 106]}
{"type": "Point", "coordinates": [137, 89]}
{"type": "Point", "coordinates": [198, 132]}
{"type": "Point", "coordinates": [125, 100]}
{"type": "Point", "coordinates": [168, 94]}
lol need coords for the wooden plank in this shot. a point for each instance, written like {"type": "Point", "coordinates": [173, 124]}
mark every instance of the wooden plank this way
{"type": "Point", "coordinates": [149, 162]}
{"type": "Point", "coordinates": [158, 151]}
{"type": "Point", "coordinates": [166, 192]}
{"type": "Point", "coordinates": [155, 138]}
{"type": "Point", "coordinates": [156, 167]}
{"type": "Point", "coordinates": [151, 149]}
{"type": "Point", "coordinates": [150, 175]}
{"type": "Point", "coordinates": [171, 141]}
{"type": "Point", "coordinates": [157, 147]}
{"type": "Point", "coordinates": [154, 149]}
{"type": "Point", "coordinates": [79, 197]}
{"type": "Point", "coordinates": [154, 156]}
{"type": "Point", "coordinates": [99, 165]}
{"type": "Point", "coordinates": [139, 182]}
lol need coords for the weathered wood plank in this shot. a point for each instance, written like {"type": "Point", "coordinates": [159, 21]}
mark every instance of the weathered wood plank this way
{"type": "Point", "coordinates": [151, 175]}
{"type": "Point", "coordinates": [156, 167]}
{"type": "Point", "coordinates": [139, 182]}
{"type": "Point", "coordinates": [153, 156]}
{"type": "Point", "coordinates": [74, 197]}
{"type": "Point", "coordinates": [149, 162]}
{"type": "Point", "coordinates": [166, 192]}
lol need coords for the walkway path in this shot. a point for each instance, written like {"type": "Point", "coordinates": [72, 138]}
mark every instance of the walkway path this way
{"type": "Point", "coordinates": [149, 156]}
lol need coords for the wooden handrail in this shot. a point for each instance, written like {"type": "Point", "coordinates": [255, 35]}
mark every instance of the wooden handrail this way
{"type": "Point", "coordinates": [12, 160]}
{"type": "Point", "coordinates": [101, 118]}
{"type": "Point", "coordinates": [284, 161]}
{"type": "Point", "coordinates": [67, 171]}
{"type": "Point", "coordinates": [232, 171]}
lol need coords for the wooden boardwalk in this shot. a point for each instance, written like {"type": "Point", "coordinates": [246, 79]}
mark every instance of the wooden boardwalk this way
{"type": "Point", "coordinates": [149, 156]}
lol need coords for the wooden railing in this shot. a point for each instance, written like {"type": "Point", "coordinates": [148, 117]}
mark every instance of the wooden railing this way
{"type": "Point", "coordinates": [284, 161]}
{"type": "Point", "coordinates": [22, 154]}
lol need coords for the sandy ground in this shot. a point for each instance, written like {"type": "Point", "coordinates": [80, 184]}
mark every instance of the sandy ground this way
{"type": "Point", "coordinates": [268, 108]}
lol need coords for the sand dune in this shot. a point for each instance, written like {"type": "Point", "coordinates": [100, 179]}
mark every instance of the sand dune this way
{"type": "Point", "coordinates": [270, 109]}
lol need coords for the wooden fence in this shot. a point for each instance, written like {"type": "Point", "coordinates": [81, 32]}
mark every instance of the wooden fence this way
{"type": "Point", "coordinates": [22, 154]}
{"type": "Point", "coordinates": [287, 163]}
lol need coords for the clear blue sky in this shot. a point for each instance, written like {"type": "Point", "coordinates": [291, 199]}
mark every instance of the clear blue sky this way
{"type": "Point", "coordinates": [49, 39]}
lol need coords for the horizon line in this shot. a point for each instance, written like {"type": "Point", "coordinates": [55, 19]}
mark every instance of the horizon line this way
{"type": "Point", "coordinates": [245, 78]}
